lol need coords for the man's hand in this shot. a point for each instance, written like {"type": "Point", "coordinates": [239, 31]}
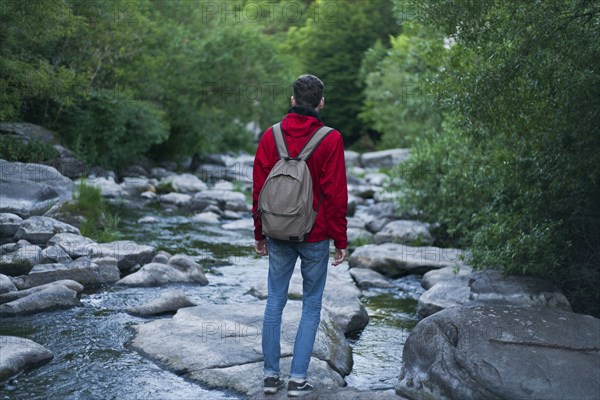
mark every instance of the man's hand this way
{"type": "Point", "coordinates": [340, 256]}
{"type": "Point", "coordinates": [260, 246]}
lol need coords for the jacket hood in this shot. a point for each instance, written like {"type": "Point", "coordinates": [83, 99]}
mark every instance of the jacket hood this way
{"type": "Point", "coordinates": [297, 125]}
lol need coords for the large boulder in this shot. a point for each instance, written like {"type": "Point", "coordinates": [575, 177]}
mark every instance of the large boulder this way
{"type": "Point", "coordinates": [127, 253]}
{"type": "Point", "coordinates": [9, 224]}
{"type": "Point", "coordinates": [502, 352]}
{"type": "Point", "coordinates": [54, 254]}
{"type": "Point", "coordinates": [38, 230]}
{"type": "Point", "coordinates": [184, 183]}
{"type": "Point", "coordinates": [108, 187]}
{"type": "Point", "coordinates": [395, 260]}
{"type": "Point", "coordinates": [384, 159]}
{"type": "Point", "coordinates": [367, 278]}
{"type": "Point", "coordinates": [19, 354]}
{"type": "Point", "coordinates": [6, 285]}
{"type": "Point", "coordinates": [168, 302]}
{"type": "Point", "coordinates": [18, 258]}
{"type": "Point", "coordinates": [178, 199]}
{"type": "Point", "coordinates": [451, 292]}
{"type": "Point", "coordinates": [31, 189]}
{"type": "Point", "coordinates": [405, 232]}
{"type": "Point", "coordinates": [60, 294]}
{"type": "Point", "coordinates": [224, 199]}
{"type": "Point", "coordinates": [180, 269]}
{"type": "Point", "coordinates": [437, 275]}
{"type": "Point", "coordinates": [82, 270]}
{"type": "Point", "coordinates": [213, 341]}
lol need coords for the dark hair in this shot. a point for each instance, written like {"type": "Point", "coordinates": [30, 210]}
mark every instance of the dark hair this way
{"type": "Point", "coordinates": [308, 91]}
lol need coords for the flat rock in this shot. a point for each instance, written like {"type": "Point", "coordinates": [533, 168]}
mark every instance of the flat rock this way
{"type": "Point", "coordinates": [6, 285]}
{"type": "Point", "coordinates": [340, 297]}
{"type": "Point", "coordinates": [168, 302]}
{"type": "Point", "coordinates": [207, 217]}
{"type": "Point", "coordinates": [395, 260]}
{"type": "Point", "coordinates": [127, 253]}
{"type": "Point", "coordinates": [436, 275]}
{"type": "Point", "coordinates": [384, 159]}
{"type": "Point", "coordinates": [367, 278]}
{"type": "Point", "coordinates": [38, 230]}
{"type": "Point", "coordinates": [9, 224]}
{"type": "Point", "coordinates": [502, 352]}
{"type": "Point", "coordinates": [404, 232]}
{"type": "Point", "coordinates": [155, 274]}
{"type": "Point", "coordinates": [31, 189]}
{"type": "Point", "coordinates": [74, 245]}
{"type": "Point", "coordinates": [108, 187]}
{"type": "Point", "coordinates": [219, 336]}
{"type": "Point", "coordinates": [242, 224]}
{"type": "Point", "coordinates": [184, 183]}
{"type": "Point", "coordinates": [18, 258]}
{"type": "Point", "coordinates": [19, 354]}
{"type": "Point", "coordinates": [54, 254]}
{"type": "Point", "coordinates": [82, 270]}
{"type": "Point", "coordinates": [451, 292]}
{"type": "Point", "coordinates": [51, 296]}
{"type": "Point", "coordinates": [224, 199]}
{"type": "Point", "coordinates": [179, 199]}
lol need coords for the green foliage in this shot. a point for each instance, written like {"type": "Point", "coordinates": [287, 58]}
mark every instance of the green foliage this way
{"type": "Point", "coordinates": [513, 173]}
{"type": "Point", "coordinates": [99, 224]}
{"type": "Point", "coordinates": [28, 151]}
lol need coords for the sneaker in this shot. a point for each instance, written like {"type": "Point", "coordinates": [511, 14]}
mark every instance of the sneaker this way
{"type": "Point", "coordinates": [273, 384]}
{"type": "Point", "coordinates": [296, 389]}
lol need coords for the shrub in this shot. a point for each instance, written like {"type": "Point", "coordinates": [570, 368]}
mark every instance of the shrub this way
{"type": "Point", "coordinates": [27, 151]}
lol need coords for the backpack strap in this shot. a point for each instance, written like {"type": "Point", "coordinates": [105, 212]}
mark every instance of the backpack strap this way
{"type": "Point", "coordinates": [280, 143]}
{"type": "Point", "coordinates": [314, 142]}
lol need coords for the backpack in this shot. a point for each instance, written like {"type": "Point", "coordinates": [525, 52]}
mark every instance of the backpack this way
{"type": "Point", "coordinates": [285, 202]}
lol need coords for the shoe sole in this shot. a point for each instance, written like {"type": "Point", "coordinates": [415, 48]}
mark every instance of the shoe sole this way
{"type": "Point", "coordinates": [298, 393]}
{"type": "Point", "coordinates": [271, 390]}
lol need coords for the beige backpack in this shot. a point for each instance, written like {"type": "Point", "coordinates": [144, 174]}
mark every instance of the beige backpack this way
{"type": "Point", "coordinates": [285, 202]}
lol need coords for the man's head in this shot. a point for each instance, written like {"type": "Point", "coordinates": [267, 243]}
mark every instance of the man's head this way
{"type": "Point", "coordinates": [308, 92]}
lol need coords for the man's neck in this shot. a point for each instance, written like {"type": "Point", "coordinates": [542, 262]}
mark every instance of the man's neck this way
{"type": "Point", "coordinates": [311, 112]}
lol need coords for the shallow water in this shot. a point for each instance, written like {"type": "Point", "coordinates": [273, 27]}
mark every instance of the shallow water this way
{"type": "Point", "coordinates": [91, 356]}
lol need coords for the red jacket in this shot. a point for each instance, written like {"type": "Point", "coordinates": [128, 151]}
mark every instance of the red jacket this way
{"type": "Point", "coordinates": [327, 169]}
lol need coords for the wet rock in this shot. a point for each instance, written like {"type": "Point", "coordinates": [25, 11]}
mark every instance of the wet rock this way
{"type": "Point", "coordinates": [6, 285]}
{"type": "Point", "coordinates": [18, 258]}
{"type": "Point", "coordinates": [199, 341]}
{"type": "Point", "coordinates": [180, 269]}
{"type": "Point", "coordinates": [502, 352]}
{"type": "Point", "coordinates": [206, 218]}
{"type": "Point", "coordinates": [54, 254]}
{"type": "Point", "coordinates": [179, 199]}
{"type": "Point", "coordinates": [82, 270]}
{"type": "Point", "coordinates": [367, 278]}
{"type": "Point", "coordinates": [74, 245]}
{"type": "Point", "coordinates": [384, 159]}
{"type": "Point", "coordinates": [9, 224]}
{"type": "Point", "coordinates": [31, 189]}
{"type": "Point", "coordinates": [395, 260]}
{"type": "Point", "coordinates": [184, 183]}
{"type": "Point", "coordinates": [404, 232]}
{"type": "Point", "coordinates": [38, 230]}
{"type": "Point", "coordinates": [60, 294]}
{"type": "Point", "coordinates": [168, 302]}
{"type": "Point", "coordinates": [127, 253]}
{"type": "Point", "coordinates": [162, 257]}
{"type": "Point", "coordinates": [108, 187]}
{"type": "Point", "coordinates": [242, 225]}
{"type": "Point", "coordinates": [434, 276]}
{"type": "Point", "coordinates": [224, 199]}
{"type": "Point", "coordinates": [19, 354]}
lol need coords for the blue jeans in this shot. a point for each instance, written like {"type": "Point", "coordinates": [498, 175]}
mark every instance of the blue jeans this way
{"type": "Point", "coordinates": [282, 259]}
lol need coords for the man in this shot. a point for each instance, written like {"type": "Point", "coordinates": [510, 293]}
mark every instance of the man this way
{"type": "Point", "coordinates": [330, 199]}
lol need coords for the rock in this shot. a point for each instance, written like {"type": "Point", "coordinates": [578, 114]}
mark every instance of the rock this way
{"type": "Point", "coordinates": [359, 235]}
{"type": "Point", "coordinates": [27, 131]}
{"type": "Point", "coordinates": [6, 285]}
{"type": "Point", "coordinates": [54, 254]}
{"type": "Point", "coordinates": [377, 178]}
{"type": "Point", "coordinates": [228, 214]}
{"type": "Point", "coordinates": [134, 186]}
{"type": "Point", "coordinates": [160, 173]}
{"type": "Point", "coordinates": [364, 191]}
{"type": "Point", "coordinates": [127, 253]}
{"type": "Point", "coordinates": [82, 270]}
{"type": "Point", "coordinates": [9, 224]}
{"type": "Point", "coordinates": [395, 260]}
{"type": "Point", "coordinates": [502, 352]}
{"type": "Point", "coordinates": [67, 163]}
{"type": "Point", "coordinates": [384, 159]}
{"type": "Point", "coordinates": [340, 297]}
{"type": "Point", "coordinates": [436, 275]}
{"type": "Point", "coordinates": [223, 185]}
{"type": "Point", "coordinates": [135, 171]}
{"type": "Point", "coordinates": [206, 218]}
{"type": "Point", "coordinates": [367, 278]}
{"type": "Point", "coordinates": [184, 183]}
{"type": "Point", "coordinates": [162, 257]}
{"type": "Point", "coordinates": [352, 158]}
{"type": "Point", "coordinates": [353, 203]}
{"type": "Point", "coordinates": [148, 219]}
{"type": "Point", "coordinates": [18, 258]}
{"type": "Point", "coordinates": [62, 212]}
{"type": "Point", "coordinates": [168, 302]}
{"type": "Point", "coordinates": [42, 298]}
{"type": "Point", "coordinates": [375, 225]}
{"type": "Point", "coordinates": [19, 354]}
{"type": "Point", "coordinates": [242, 225]}
{"type": "Point", "coordinates": [38, 230]}
{"type": "Point", "coordinates": [450, 292]}
{"type": "Point", "coordinates": [11, 296]}
{"type": "Point", "coordinates": [224, 199]}
{"type": "Point", "coordinates": [108, 187]}
{"type": "Point", "coordinates": [149, 195]}
{"type": "Point", "coordinates": [74, 245]}
{"type": "Point", "coordinates": [155, 274]}
{"type": "Point", "coordinates": [31, 189]}
{"type": "Point", "coordinates": [350, 393]}
{"type": "Point", "coordinates": [217, 337]}
{"type": "Point", "coordinates": [405, 232]}
{"type": "Point", "coordinates": [179, 199]}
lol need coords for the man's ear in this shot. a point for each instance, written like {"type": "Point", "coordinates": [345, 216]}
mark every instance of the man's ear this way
{"type": "Point", "coordinates": [322, 103]}
{"type": "Point", "coordinates": [293, 101]}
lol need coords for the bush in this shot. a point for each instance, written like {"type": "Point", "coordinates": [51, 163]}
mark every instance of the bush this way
{"type": "Point", "coordinates": [27, 151]}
